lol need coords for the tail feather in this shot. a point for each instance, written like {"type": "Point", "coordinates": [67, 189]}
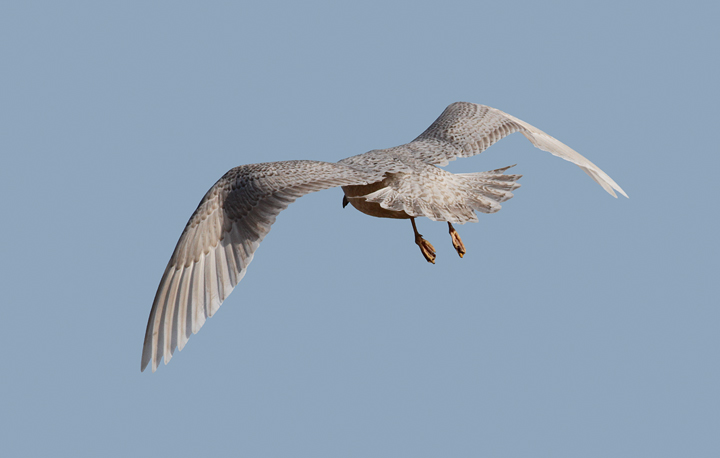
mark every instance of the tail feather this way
{"type": "Point", "coordinates": [492, 185]}
{"type": "Point", "coordinates": [464, 193]}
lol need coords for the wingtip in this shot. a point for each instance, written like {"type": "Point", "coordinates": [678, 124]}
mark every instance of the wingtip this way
{"type": "Point", "coordinates": [144, 360]}
{"type": "Point", "coordinates": [618, 189]}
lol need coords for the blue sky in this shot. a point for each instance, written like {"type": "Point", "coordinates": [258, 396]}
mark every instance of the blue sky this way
{"type": "Point", "coordinates": [576, 325]}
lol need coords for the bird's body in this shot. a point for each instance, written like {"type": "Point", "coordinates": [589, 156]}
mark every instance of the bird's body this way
{"type": "Point", "coordinates": [403, 182]}
{"type": "Point", "coordinates": [354, 196]}
{"type": "Point", "coordinates": [427, 190]}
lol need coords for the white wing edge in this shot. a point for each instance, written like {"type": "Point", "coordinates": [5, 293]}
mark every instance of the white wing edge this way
{"type": "Point", "coordinates": [555, 147]}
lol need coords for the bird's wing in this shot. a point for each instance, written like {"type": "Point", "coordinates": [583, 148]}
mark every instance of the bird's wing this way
{"type": "Point", "coordinates": [465, 129]}
{"type": "Point", "coordinates": [381, 161]}
{"type": "Point", "coordinates": [220, 240]}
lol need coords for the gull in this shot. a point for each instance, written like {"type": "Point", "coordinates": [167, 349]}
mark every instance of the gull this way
{"type": "Point", "coordinates": [405, 182]}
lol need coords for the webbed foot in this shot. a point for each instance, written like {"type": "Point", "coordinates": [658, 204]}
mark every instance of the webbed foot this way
{"type": "Point", "coordinates": [426, 247]}
{"type": "Point", "coordinates": [457, 241]}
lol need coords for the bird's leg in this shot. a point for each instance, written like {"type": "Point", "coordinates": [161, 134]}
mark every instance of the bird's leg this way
{"type": "Point", "coordinates": [425, 247]}
{"type": "Point", "coordinates": [457, 242]}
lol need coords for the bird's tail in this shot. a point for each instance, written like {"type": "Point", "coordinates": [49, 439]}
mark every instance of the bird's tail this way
{"type": "Point", "coordinates": [454, 201]}
{"type": "Point", "coordinates": [486, 190]}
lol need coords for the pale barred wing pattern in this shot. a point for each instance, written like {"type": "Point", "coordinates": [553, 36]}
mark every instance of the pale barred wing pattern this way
{"type": "Point", "coordinates": [443, 196]}
{"type": "Point", "coordinates": [219, 242]}
{"type": "Point", "coordinates": [465, 129]}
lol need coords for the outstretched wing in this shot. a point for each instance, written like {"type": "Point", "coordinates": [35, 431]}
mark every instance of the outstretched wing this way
{"type": "Point", "coordinates": [220, 240]}
{"type": "Point", "coordinates": [465, 129]}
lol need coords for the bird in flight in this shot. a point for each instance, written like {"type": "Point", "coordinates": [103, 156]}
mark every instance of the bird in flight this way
{"type": "Point", "coordinates": [403, 182]}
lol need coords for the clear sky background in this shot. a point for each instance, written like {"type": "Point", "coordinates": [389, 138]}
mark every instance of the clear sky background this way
{"type": "Point", "coordinates": [577, 325]}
